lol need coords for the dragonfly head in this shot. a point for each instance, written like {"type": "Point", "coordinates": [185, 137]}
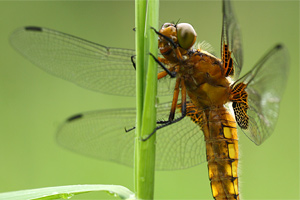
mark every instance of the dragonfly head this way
{"type": "Point", "coordinates": [182, 35]}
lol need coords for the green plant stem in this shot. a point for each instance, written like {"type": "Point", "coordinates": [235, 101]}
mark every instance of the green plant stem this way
{"type": "Point", "coordinates": [146, 41]}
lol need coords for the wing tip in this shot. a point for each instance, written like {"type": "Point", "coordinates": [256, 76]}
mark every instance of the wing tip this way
{"type": "Point", "coordinates": [75, 117]}
{"type": "Point", "coordinates": [279, 46]}
{"type": "Point", "coordinates": [33, 28]}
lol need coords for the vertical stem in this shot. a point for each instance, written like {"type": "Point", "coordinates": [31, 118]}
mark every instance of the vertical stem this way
{"type": "Point", "coordinates": [146, 41]}
{"type": "Point", "coordinates": [140, 15]}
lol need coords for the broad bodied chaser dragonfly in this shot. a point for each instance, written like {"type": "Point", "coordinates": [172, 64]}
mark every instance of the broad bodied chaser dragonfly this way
{"type": "Point", "coordinates": [206, 94]}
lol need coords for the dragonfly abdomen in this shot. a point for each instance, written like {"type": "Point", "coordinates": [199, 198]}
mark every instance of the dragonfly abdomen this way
{"type": "Point", "coordinates": [222, 153]}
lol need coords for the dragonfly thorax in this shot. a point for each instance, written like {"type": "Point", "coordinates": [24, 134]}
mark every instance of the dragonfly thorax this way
{"type": "Point", "coordinates": [205, 81]}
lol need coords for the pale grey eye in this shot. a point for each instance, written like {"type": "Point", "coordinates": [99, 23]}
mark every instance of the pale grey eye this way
{"type": "Point", "coordinates": [186, 35]}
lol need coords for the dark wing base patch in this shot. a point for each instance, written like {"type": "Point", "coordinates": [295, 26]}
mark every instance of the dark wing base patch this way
{"type": "Point", "coordinates": [227, 61]}
{"type": "Point", "coordinates": [239, 98]}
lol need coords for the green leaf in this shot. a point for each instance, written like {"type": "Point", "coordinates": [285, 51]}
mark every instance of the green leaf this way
{"type": "Point", "coordinates": [66, 192]}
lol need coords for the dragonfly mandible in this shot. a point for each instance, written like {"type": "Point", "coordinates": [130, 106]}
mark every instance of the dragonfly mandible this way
{"type": "Point", "coordinates": [206, 84]}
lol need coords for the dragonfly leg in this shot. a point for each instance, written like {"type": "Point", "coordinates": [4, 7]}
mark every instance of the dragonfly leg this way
{"type": "Point", "coordinates": [132, 128]}
{"type": "Point", "coordinates": [171, 73]}
{"type": "Point", "coordinates": [172, 113]}
{"type": "Point", "coordinates": [174, 102]}
{"type": "Point", "coordinates": [166, 38]}
{"type": "Point", "coordinates": [161, 74]}
{"type": "Point", "coordinates": [175, 99]}
{"type": "Point", "coordinates": [128, 130]}
{"type": "Point", "coordinates": [133, 63]}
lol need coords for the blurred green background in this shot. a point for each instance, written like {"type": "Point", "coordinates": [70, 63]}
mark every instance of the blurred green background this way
{"type": "Point", "coordinates": [33, 103]}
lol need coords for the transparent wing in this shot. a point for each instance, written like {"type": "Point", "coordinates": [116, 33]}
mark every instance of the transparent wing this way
{"type": "Point", "coordinates": [265, 85]}
{"type": "Point", "coordinates": [101, 134]}
{"type": "Point", "coordinates": [87, 64]}
{"type": "Point", "coordinates": [231, 38]}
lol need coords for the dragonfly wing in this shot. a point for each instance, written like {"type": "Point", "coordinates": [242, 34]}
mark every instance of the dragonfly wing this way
{"type": "Point", "coordinates": [265, 85]}
{"type": "Point", "coordinates": [101, 134]}
{"type": "Point", "coordinates": [180, 145]}
{"type": "Point", "coordinates": [231, 45]}
{"type": "Point", "coordinates": [87, 64]}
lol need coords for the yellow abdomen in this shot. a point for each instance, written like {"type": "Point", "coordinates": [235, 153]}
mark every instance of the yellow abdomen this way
{"type": "Point", "coordinates": [222, 153]}
{"type": "Point", "coordinates": [219, 128]}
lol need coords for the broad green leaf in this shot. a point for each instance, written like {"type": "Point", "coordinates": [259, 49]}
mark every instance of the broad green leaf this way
{"type": "Point", "coordinates": [66, 192]}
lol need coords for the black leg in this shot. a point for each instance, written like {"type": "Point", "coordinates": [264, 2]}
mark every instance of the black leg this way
{"type": "Point", "coordinates": [133, 63]}
{"type": "Point", "coordinates": [183, 109]}
{"type": "Point", "coordinates": [166, 38]}
{"type": "Point", "coordinates": [172, 74]}
{"type": "Point", "coordinates": [128, 130]}
{"type": "Point", "coordinates": [162, 122]}
{"type": "Point", "coordinates": [132, 128]}
{"type": "Point", "coordinates": [167, 123]}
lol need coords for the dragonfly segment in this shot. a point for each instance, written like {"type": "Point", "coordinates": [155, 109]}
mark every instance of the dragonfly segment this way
{"type": "Point", "coordinates": [221, 138]}
{"type": "Point", "coordinates": [222, 153]}
{"type": "Point", "coordinates": [206, 81]}
{"type": "Point", "coordinates": [203, 77]}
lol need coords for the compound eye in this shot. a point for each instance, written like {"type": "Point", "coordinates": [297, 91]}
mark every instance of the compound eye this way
{"type": "Point", "coordinates": [186, 35]}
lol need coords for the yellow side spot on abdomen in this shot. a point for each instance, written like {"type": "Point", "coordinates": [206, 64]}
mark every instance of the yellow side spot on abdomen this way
{"type": "Point", "coordinates": [214, 189]}
{"type": "Point", "coordinates": [234, 168]}
{"type": "Point", "coordinates": [233, 154]}
{"type": "Point", "coordinates": [227, 132]}
{"type": "Point", "coordinates": [236, 186]}
{"type": "Point", "coordinates": [230, 133]}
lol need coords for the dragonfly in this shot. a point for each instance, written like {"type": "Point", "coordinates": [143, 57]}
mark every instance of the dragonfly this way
{"type": "Point", "coordinates": [208, 99]}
